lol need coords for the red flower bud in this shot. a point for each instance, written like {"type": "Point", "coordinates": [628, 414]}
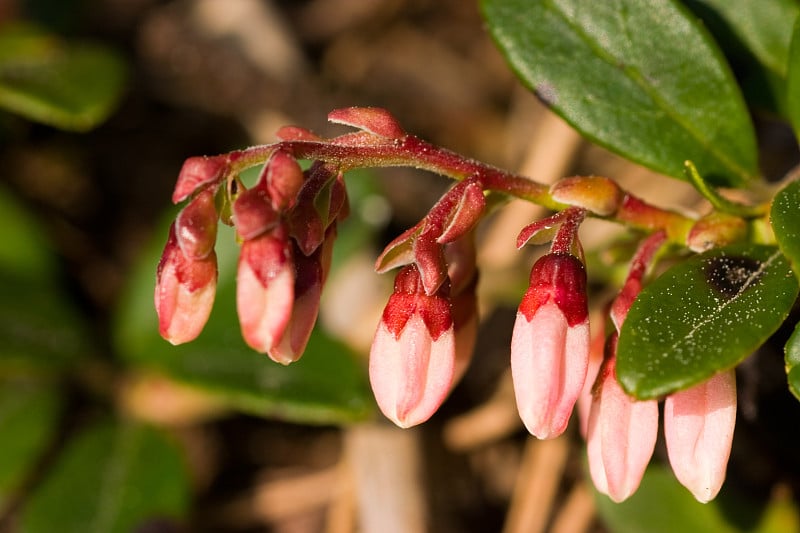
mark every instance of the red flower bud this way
{"type": "Point", "coordinates": [413, 354]}
{"type": "Point", "coordinates": [184, 293]}
{"type": "Point", "coordinates": [550, 344]}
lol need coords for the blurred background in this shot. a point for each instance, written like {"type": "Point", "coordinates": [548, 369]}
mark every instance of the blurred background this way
{"type": "Point", "coordinates": [104, 424]}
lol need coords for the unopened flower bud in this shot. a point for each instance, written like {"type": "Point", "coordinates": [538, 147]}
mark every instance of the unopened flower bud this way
{"type": "Point", "coordinates": [265, 289]}
{"type": "Point", "coordinates": [621, 435]}
{"type": "Point", "coordinates": [184, 293]}
{"type": "Point", "coordinates": [253, 213]}
{"type": "Point", "coordinates": [309, 272]}
{"type": "Point", "coordinates": [196, 226]}
{"type": "Point", "coordinates": [698, 427]}
{"type": "Point", "coordinates": [283, 178]}
{"type": "Point", "coordinates": [198, 172]}
{"type": "Point", "coordinates": [550, 344]}
{"type": "Point", "coordinates": [413, 353]}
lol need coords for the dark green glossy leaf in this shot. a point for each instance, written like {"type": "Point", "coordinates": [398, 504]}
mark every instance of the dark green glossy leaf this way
{"type": "Point", "coordinates": [28, 415]}
{"type": "Point", "coordinates": [70, 86]}
{"type": "Point", "coordinates": [702, 316]}
{"type": "Point", "coordinates": [755, 36]}
{"type": "Point", "coordinates": [111, 478]}
{"type": "Point", "coordinates": [662, 505]}
{"type": "Point", "coordinates": [642, 78]}
{"type": "Point", "coordinates": [793, 81]}
{"type": "Point", "coordinates": [785, 220]}
{"type": "Point", "coordinates": [327, 385]}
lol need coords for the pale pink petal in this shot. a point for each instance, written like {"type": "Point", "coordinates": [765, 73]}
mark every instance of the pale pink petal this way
{"type": "Point", "coordinates": [411, 374]}
{"type": "Point", "coordinates": [698, 426]}
{"type": "Point", "coordinates": [294, 339]}
{"type": "Point", "coordinates": [264, 292]}
{"type": "Point", "coordinates": [549, 361]}
{"type": "Point", "coordinates": [584, 403]}
{"type": "Point", "coordinates": [621, 438]}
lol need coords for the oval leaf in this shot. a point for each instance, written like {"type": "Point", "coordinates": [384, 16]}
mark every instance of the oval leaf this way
{"type": "Point", "coordinates": [111, 478]}
{"type": "Point", "coordinates": [69, 86]}
{"type": "Point", "coordinates": [643, 79]}
{"type": "Point", "coordinates": [785, 221]}
{"type": "Point", "coordinates": [703, 316]}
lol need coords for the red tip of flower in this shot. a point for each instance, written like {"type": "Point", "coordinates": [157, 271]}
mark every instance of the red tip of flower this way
{"type": "Point", "coordinates": [561, 278]}
{"type": "Point", "coordinates": [195, 173]}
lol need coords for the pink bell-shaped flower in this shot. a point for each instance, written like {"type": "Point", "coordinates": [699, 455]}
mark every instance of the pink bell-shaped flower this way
{"type": "Point", "coordinates": [265, 289]}
{"type": "Point", "coordinates": [413, 353]}
{"type": "Point", "coordinates": [184, 294]}
{"type": "Point", "coordinates": [621, 434]}
{"type": "Point", "coordinates": [698, 427]}
{"type": "Point", "coordinates": [550, 344]}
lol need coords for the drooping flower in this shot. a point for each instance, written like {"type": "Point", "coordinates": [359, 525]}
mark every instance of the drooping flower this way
{"type": "Point", "coordinates": [186, 279]}
{"type": "Point", "coordinates": [413, 353]}
{"type": "Point", "coordinates": [550, 344]}
{"type": "Point", "coordinates": [184, 294]}
{"type": "Point", "coordinates": [698, 427]}
{"type": "Point", "coordinates": [621, 435]}
{"type": "Point", "coordinates": [265, 289]}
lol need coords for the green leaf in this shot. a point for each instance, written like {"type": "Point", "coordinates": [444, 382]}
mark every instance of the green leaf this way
{"type": "Point", "coordinates": [28, 416]}
{"type": "Point", "coordinates": [792, 352]}
{"type": "Point", "coordinates": [793, 81]}
{"type": "Point", "coordinates": [66, 85]}
{"type": "Point", "coordinates": [327, 385]}
{"type": "Point", "coordinates": [755, 37]}
{"type": "Point", "coordinates": [111, 478]}
{"type": "Point", "coordinates": [662, 505]}
{"type": "Point", "coordinates": [785, 221]}
{"type": "Point", "coordinates": [642, 78]}
{"type": "Point", "coordinates": [703, 316]}
{"type": "Point", "coordinates": [40, 326]}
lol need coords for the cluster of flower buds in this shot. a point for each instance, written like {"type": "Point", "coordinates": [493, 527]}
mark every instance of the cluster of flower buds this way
{"type": "Point", "coordinates": [287, 224]}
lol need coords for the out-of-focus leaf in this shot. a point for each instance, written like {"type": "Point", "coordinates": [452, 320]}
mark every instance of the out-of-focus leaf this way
{"type": "Point", "coordinates": [39, 326]}
{"type": "Point", "coordinates": [755, 37]}
{"type": "Point", "coordinates": [793, 81]}
{"type": "Point", "coordinates": [642, 78]}
{"type": "Point", "coordinates": [327, 385]}
{"type": "Point", "coordinates": [702, 316]}
{"type": "Point", "coordinates": [23, 246]}
{"type": "Point", "coordinates": [785, 221]}
{"type": "Point", "coordinates": [662, 505]}
{"type": "Point", "coordinates": [28, 413]}
{"type": "Point", "coordinates": [66, 85]}
{"type": "Point", "coordinates": [112, 477]}
{"type": "Point", "coordinates": [792, 353]}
